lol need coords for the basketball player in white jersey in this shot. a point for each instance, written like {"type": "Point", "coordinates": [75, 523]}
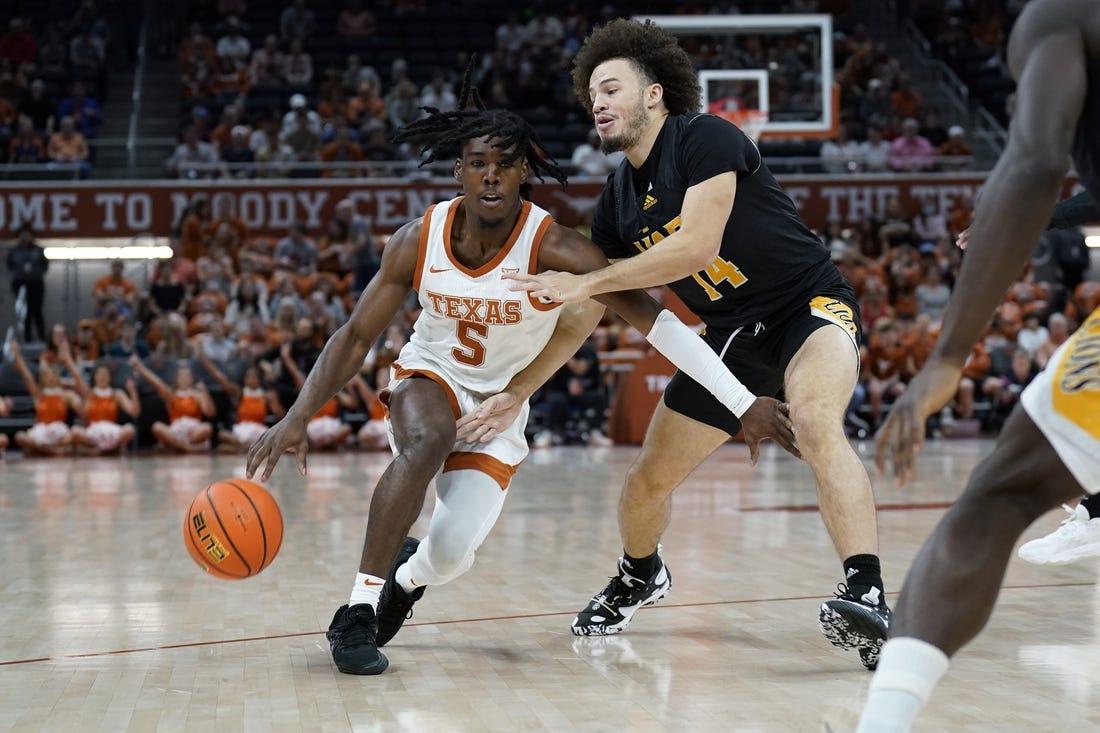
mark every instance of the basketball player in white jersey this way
{"type": "Point", "coordinates": [473, 338]}
{"type": "Point", "coordinates": [1049, 449]}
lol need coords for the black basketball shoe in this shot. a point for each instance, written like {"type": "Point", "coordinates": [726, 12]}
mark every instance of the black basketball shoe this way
{"type": "Point", "coordinates": [610, 610]}
{"type": "Point", "coordinates": [394, 604]}
{"type": "Point", "coordinates": [351, 636]}
{"type": "Point", "coordinates": [852, 621]}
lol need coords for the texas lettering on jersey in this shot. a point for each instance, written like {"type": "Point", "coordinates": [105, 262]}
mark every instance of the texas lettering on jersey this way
{"type": "Point", "coordinates": [487, 311]}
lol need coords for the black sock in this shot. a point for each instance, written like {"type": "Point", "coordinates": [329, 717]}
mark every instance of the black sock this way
{"type": "Point", "coordinates": [640, 567]}
{"type": "Point", "coordinates": [863, 572]}
{"type": "Point", "coordinates": [1092, 503]}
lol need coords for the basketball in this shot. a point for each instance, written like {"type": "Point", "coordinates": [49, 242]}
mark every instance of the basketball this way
{"type": "Point", "coordinates": [233, 529]}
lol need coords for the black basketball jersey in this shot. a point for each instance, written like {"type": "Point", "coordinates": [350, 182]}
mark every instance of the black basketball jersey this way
{"type": "Point", "coordinates": [768, 262]}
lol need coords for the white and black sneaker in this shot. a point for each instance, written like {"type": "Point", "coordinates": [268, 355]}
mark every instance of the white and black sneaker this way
{"type": "Point", "coordinates": [610, 610]}
{"type": "Point", "coordinates": [857, 622]}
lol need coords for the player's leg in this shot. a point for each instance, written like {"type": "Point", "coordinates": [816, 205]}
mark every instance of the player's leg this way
{"type": "Point", "coordinates": [953, 583]}
{"type": "Point", "coordinates": [467, 505]}
{"type": "Point", "coordinates": [674, 445]}
{"type": "Point", "coordinates": [819, 381]}
{"type": "Point", "coordinates": [424, 433]}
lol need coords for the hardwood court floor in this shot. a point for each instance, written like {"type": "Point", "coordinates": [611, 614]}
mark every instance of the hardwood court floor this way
{"type": "Point", "coordinates": [107, 624]}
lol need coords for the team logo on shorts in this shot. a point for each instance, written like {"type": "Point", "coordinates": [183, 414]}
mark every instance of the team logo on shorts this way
{"type": "Point", "coordinates": [838, 312]}
{"type": "Point", "coordinates": [1076, 384]}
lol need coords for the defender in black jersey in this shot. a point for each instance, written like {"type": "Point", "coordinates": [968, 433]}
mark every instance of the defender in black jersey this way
{"type": "Point", "coordinates": [1049, 450]}
{"type": "Point", "coordinates": [695, 207]}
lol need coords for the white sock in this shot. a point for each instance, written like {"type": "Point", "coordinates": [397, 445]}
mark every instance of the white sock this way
{"type": "Point", "coordinates": [404, 578]}
{"type": "Point", "coordinates": [908, 671]}
{"type": "Point", "coordinates": [367, 589]}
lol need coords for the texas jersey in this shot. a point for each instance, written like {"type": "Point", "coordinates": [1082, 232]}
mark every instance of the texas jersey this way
{"type": "Point", "coordinates": [768, 261]}
{"type": "Point", "coordinates": [473, 330]}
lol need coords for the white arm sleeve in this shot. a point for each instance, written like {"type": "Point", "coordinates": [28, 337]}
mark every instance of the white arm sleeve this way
{"type": "Point", "coordinates": [680, 345]}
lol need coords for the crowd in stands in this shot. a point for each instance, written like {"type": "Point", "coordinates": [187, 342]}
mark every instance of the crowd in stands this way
{"type": "Point", "coordinates": [54, 60]}
{"type": "Point", "coordinates": [903, 265]}
{"type": "Point", "coordinates": [970, 38]}
{"type": "Point", "coordinates": [317, 88]}
{"type": "Point", "coordinates": [218, 344]}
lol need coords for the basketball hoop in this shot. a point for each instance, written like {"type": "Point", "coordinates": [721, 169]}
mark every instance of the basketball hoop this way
{"type": "Point", "coordinates": [751, 121]}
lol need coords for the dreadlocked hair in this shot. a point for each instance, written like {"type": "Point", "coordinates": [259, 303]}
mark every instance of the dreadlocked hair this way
{"type": "Point", "coordinates": [653, 52]}
{"type": "Point", "coordinates": [443, 135]}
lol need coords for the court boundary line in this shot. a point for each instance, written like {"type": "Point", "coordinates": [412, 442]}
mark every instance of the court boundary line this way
{"type": "Point", "coordinates": [447, 622]}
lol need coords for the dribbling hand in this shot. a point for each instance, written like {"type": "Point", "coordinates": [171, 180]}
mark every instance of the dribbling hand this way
{"type": "Point", "coordinates": [768, 418]}
{"type": "Point", "coordinates": [902, 435]}
{"type": "Point", "coordinates": [289, 434]}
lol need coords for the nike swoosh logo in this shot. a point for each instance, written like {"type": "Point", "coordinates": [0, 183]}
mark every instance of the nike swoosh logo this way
{"type": "Point", "coordinates": [371, 584]}
{"type": "Point", "coordinates": [443, 269]}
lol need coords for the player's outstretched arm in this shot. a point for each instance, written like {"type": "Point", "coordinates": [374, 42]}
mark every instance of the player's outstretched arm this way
{"type": "Point", "coordinates": [1011, 214]}
{"type": "Point", "coordinates": [693, 247]}
{"type": "Point", "coordinates": [761, 417]}
{"type": "Point", "coordinates": [343, 354]}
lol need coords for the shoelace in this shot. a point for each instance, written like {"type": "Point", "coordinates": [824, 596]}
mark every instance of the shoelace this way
{"type": "Point", "coordinates": [355, 630]}
{"type": "Point", "coordinates": [620, 590]}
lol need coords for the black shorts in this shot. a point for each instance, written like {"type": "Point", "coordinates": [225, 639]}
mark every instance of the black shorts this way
{"type": "Point", "coordinates": [758, 355]}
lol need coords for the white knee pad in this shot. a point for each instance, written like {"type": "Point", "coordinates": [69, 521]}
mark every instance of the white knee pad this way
{"type": "Point", "coordinates": [468, 503]}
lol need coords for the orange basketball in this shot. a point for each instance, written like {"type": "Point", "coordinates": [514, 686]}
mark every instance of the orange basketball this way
{"type": "Point", "coordinates": [233, 529]}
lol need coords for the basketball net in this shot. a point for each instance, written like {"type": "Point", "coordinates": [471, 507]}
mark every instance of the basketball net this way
{"type": "Point", "coordinates": [751, 121]}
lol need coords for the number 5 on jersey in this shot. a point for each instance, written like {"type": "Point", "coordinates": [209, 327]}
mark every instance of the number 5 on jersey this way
{"type": "Point", "coordinates": [470, 335]}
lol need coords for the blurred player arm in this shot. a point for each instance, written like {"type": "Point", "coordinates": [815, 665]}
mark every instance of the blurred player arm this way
{"type": "Point", "coordinates": [345, 350]}
{"type": "Point", "coordinates": [1022, 188]}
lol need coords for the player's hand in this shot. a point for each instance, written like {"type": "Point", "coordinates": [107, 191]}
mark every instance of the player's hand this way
{"type": "Point", "coordinates": [768, 418]}
{"type": "Point", "coordinates": [559, 287]}
{"type": "Point", "coordinates": [963, 239]}
{"type": "Point", "coordinates": [287, 434]}
{"type": "Point", "coordinates": [490, 418]}
{"type": "Point", "coordinates": [902, 435]}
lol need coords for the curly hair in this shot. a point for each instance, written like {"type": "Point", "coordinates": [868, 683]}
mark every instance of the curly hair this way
{"type": "Point", "coordinates": [444, 134]}
{"type": "Point", "coordinates": [655, 54]}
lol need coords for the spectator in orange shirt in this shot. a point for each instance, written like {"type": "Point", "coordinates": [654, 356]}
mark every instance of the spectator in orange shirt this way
{"type": "Point", "coordinates": [196, 219]}
{"type": "Point", "coordinates": [68, 146]}
{"type": "Point", "coordinates": [905, 101]}
{"type": "Point", "coordinates": [115, 288]}
{"type": "Point", "coordinates": [225, 213]}
{"type": "Point", "coordinates": [365, 106]}
{"type": "Point", "coordinates": [956, 146]}
{"type": "Point", "coordinates": [887, 360]}
{"type": "Point", "coordinates": [974, 373]}
{"type": "Point", "coordinates": [342, 149]}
